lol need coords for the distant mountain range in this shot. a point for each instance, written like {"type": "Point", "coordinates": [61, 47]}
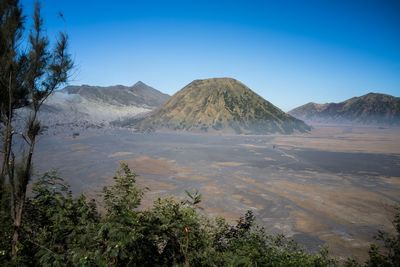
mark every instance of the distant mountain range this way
{"type": "Point", "coordinates": [79, 107]}
{"type": "Point", "coordinates": [219, 104]}
{"type": "Point", "coordinates": [372, 108]}
{"type": "Point", "coordinates": [210, 105]}
{"type": "Point", "coordinates": [139, 95]}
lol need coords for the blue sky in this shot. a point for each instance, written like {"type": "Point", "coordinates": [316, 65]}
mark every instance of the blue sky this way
{"type": "Point", "coordinates": [289, 52]}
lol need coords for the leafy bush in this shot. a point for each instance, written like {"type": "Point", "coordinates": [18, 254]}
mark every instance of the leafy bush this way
{"type": "Point", "coordinates": [62, 230]}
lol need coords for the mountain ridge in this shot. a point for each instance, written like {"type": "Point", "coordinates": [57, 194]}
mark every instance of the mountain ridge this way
{"type": "Point", "coordinates": [371, 108]}
{"type": "Point", "coordinates": [139, 94]}
{"type": "Point", "coordinates": [76, 108]}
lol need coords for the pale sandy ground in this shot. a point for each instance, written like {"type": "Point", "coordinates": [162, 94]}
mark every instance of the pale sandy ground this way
{"type": "Point", "coordinates": [346, 139]}
{"type": "Point", "coordinates": [335, 186]}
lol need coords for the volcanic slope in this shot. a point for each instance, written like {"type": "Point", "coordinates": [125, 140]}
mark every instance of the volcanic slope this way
{"type": "Point", "coordinates": [76, 108]}
{"type": "Point", "coordinates": [223, 105]}
{"type": "Point", "coordinates": [139, 95]}
{"type": "Point", "coordinates": [372, 108]}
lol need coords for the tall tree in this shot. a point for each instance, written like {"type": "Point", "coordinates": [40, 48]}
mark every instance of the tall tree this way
{"type": "Point", "coordinates": [28, 77]}
{"type": "Point", "coordinates": [13, 63]}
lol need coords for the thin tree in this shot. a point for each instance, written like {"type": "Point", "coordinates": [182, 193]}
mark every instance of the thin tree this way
{"type": "Point", "coordinates": [13, 63]}
{"type": "Point", "coordinates": [33, 76]}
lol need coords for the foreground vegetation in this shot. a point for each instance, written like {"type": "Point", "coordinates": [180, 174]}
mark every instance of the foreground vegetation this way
{"type": "Point", "coordinates": [54, 228]}
{"type": "Point", "coordinates": [61, 230]}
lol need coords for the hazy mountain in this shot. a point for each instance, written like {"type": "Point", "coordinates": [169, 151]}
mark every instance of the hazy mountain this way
{"type": "Point", "coordinates": [371, 108]}
{"type": "Point", "coordinates": [78, 107]}
{"type": "Point", "coordinates": [220, 104]}
{"type": "Point", "coordinates": [139, 95]}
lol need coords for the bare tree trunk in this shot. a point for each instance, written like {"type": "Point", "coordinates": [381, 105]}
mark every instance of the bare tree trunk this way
{"type": "Point", "coordinates": [8, 138]}
{"type": "Point", "coordinates": [6, 157]}
{"type": "Point", "coordinates": [19, 189]}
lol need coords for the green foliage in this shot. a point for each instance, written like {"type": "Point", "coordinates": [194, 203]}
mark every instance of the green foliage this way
{"type": "Point", "coordinates": [55, 223]}
{"type": "Point", "coordinates": [122, 236]}
{"type": "Point", "coordinates": [5, 226]}
{"type": "Point", "coordinates": [389, 255]}
{"type": "Point", "coordinates": [62, 230]}
{"type": "Point", "coordinates": [124, 196]}
{"type": "Point", "coordinates": [194, 198]}
{"type": "Point", "coordinates": [247, 245]}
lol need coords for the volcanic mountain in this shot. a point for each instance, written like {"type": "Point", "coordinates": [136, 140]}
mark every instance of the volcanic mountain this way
{"type": "Point", "coordinates": [371, 108]}
{"type": "Point", "coordinates": [76, 108]}
{"type": "Point", "coordinates": [139, 95]}
{"type": "Point", "coordinates": [220, 104]}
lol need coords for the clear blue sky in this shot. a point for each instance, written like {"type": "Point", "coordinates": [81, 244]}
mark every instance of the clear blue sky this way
{"type": "Point", "coordinates": [289, 52]}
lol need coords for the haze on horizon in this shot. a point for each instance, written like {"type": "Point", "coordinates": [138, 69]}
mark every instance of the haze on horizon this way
{"type": "Point", "coordinates": [289, 52]}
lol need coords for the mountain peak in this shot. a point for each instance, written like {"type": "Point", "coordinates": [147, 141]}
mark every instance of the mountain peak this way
{"type": "Point", "coordinates": [140, 83]}
{"type": "Point", "coordinates": [140, 94]}
{"type": "Point", "coordinates": [371, 108]}
{"type": "Point", "coordinates": [220, 104]}
{"type": "Point", "coordinates": [217, 79]}
{"type": "Point", "coordinates": [218, 83]}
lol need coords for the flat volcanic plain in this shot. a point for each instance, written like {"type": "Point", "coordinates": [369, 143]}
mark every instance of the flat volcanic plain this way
{"type": "Point", "coordinates": [337, 185]}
